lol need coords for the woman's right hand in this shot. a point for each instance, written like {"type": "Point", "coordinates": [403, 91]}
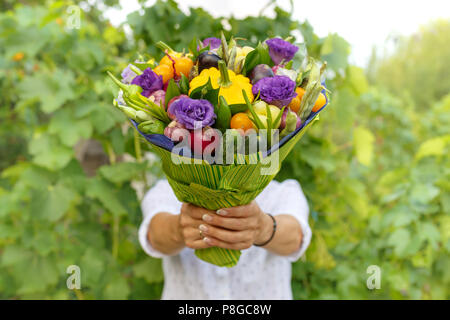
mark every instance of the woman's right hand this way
{"type": "Point", "coordinates": [190, 218]}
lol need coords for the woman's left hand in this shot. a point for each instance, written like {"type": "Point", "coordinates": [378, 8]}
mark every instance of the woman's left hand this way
{"type": "Point", "coordinates": [237, 227]}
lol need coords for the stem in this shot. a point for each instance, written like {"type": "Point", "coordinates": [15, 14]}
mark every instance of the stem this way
{"type": "Point", "coordinates": [224, 75]}
{"type": "Point", "coordinates": [164, 46]}
{"type": "Point", "coordinates": [115, 237]}
{"type": "Point", "coordinates": [137, 147]}
{"type": "Point", "coordinates": [138, 150]}
{"type": "Point", "coordinates": [136, 70]}
{"type": "Point", "coordinates": [111, 154]}
{"type": "Point", "coordinates": [122, 86]}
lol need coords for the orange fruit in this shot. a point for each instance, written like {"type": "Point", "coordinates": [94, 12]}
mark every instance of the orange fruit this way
{"type": "Point", "coordinates": [320, 102]}
{"type": "Point", "coordinates": [165, 71]}
{"type": "Point", "coordinates": [295, 104]}
{"type": "Point", "coordinates": [241, 121]}
{"type": "Point", "coordinates": [300, 92]}
{"type": "Point", "coordinates": [168, 60]}
{"type": "Point", "coordinates": [183, 66]}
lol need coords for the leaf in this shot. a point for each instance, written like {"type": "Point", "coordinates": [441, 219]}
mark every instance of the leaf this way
{"type": "Point", "coordinates": [423, 194]}
{"type": "Point", "coordinates": [433, 147]}
{"type": "Point", "coordinates": [92, 267]}
{"type": "Point", "coordinates": [335, 51]}
{"type": "Point", "coordinates": [223, 115]}
{"type": "Point", "coordinates": [149, 269]}
{"type": "Point", "coordinates": [122, 172]}
{"type": "Point", "coordinates": [399, 239]}
{"type": "Point", "coordinates": [49, 153]}
{"type": "Point", "coordinates": [357, 79]}
{"type": "Point", "coordinates": [104, 192]}
{"type": "Point", "coordinates": [117, 289]}
{"type": "Point", "coordinates": [69, 129]}
{"type": "Point", "coordinates": [260, 55]}
{"type": "Point", "coordinates": [363, 141]}
{"type": "Point", "coordinates": [319, 254]}
{"type": "Point", "coordinates": [172, 91]}
{"type": "Point", "coordinates": [184, 84]}
{"type": "Point", "coordinates": [52, 203]}
{"type": "Point", "coordinates": [52, 90]}
{"type": "Point", "coordinates": [207, 92]}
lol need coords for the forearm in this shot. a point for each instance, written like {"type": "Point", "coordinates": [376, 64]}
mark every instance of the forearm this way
{"type": "Point", "coordinates": [164, 233]}
{"type": "Point", "coordinates": [288, 236]}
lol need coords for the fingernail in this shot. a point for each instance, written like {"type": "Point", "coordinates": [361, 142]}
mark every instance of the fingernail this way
{"type": "Point", "coordinates": [203, 228]}
{"type": "Point", "coordinates": [222, 212]}
{"type": "Point", "coordinates": [207, 240]}
{"type": "Point", "coordinates": [207, 218]}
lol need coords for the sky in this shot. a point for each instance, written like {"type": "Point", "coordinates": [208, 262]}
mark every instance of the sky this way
{"type": "Point", "coordinates": [363, 23]}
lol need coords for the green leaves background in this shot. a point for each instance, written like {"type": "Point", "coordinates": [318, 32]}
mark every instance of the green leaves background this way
{"type": "Point", "coordinates": [375, 168]}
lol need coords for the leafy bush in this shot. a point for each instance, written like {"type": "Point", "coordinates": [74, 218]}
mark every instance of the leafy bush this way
{"type": "Point", "coordinates": [375, 169]}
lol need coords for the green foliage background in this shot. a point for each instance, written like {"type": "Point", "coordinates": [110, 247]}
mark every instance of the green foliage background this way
{"type": "Point", "coordinates": [375, 169]}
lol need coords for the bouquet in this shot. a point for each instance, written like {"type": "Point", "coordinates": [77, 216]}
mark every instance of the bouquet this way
{"type": "Point", "coordinates": [222, 117]}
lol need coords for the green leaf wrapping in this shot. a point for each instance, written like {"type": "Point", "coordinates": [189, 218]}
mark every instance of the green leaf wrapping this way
{"type": "Point", "coordinates": [221, 186]}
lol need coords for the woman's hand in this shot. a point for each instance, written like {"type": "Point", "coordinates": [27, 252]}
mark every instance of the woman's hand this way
{"type": "Point", "coordinates": [231, 228]}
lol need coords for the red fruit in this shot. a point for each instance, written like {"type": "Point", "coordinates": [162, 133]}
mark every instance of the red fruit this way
{"type": "Point", "coordinates": [200, 139]}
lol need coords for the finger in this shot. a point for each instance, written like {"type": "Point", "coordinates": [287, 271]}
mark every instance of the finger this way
{"type": "Point", "coordinates": [213, 242]}
{"type": "Point", "coordinates": [194, 211]}
{"type": "Point", "coordinates": [198, 244]}
{"type": "Point", "coordinates": [187, 221]}
{"type": "Point", "coordinates": [240, 211]}
{"type": "Point", "coordinates": [192, 234]}
{"type": "Point", "coordinates": [236, 224]}
{"type": "Point", "coordinates": [226, 235]}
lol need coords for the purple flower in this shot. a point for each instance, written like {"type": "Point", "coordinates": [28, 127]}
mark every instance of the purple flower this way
{"type": "Point", "coordinates": [128, 75]}
{"type": "Point", "coordinates": [213, 43]}
{"type": "Point", "coordinates": [280, 50]}
{"type": "Point", "coordinates": [277, 90]}
{"type": "Point", "coordinates": [149, 82]}
{"type": "Point", "coordinates": [193, 113]}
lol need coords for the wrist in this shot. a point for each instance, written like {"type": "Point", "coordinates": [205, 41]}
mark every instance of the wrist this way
{"type": "Point", "coordinates": [265, 229]}
{"type": "Point", "coordinates": [178, 231]}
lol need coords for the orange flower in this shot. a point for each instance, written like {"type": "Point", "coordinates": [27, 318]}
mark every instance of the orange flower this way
{"type": "Point", "coordinates": [18, 56]}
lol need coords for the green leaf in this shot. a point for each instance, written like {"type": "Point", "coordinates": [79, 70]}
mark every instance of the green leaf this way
{"type": "Point", "coordinates": [49, 153]}
{"type": "Point", "coordinates": [51, 90]}
{"type": "Point", "coordinates": [260, 55]}
{"type": "Point", "coordinates": [172, 91]}
{"type": "Point", "coordinates": [363, 141]}
{"type": "Point", "coordinates": [117, 289]}
{"type": "Point", "coordinates": [52, 203]}
{"type": "Point", "coordinates": [122, 172]}
{"type": "Point", "coordinates": [433, 147]}
{"type": "Point", "coordinates": [92, 267]}
{"type": "Point", "coordinates": [335, 51]}
{"type": "Point", "coordinates": [104, 192]}
{"type": "Point", "coordinates": [149, 269]}
{"type": "Point", "coordinates": [184, 84]}
{"type": "Point", "coordinates": [399, 239]}
{"type": "Point", "coordinates": [69, 129]}
{"type": "Point", "coordinates": [223, 115]}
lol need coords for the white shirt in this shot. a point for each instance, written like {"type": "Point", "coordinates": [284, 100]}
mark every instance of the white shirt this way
{"type": "Point", "coordinates": [259, 274]}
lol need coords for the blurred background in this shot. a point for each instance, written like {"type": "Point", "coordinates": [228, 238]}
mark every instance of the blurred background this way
{"type": "Point", "coordinates": [375, 168]}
